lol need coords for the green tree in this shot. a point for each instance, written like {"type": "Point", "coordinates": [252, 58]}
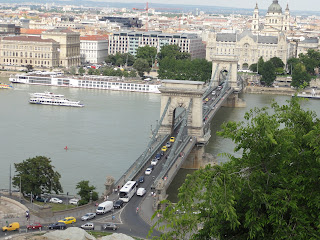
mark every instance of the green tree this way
{"type": "Point", "coordinates": [291, 63]}
{"type": "Point", "coordinates": [73, 70]}
{"type": "Point", "coordinates": [300, 76]}
{"type": "Point", "coordinates": [81, 71]}
{"type": "Point", "coordinates": [253, 67]}
{"type": "Point", "coordinates": [37, 176]}
{"type": "Point", "coordinates": [277, 62]}
{"type": "Point", "coordinates": [172, 51]}
{"type": "Point", "coordinates": [268, 73]}
{"type": "Point", "coordinates": [260, 65]}
{"type": "Point", "coordinates": [141, 65]}
{"type": "Point", "coordinates": [311, 60]}
{"type": "Point", "coordinates": [148, 53]}
{"type": "Point", "coordinates": [86, 191]}
{"type": "Point", "coordinates": [269, 190]}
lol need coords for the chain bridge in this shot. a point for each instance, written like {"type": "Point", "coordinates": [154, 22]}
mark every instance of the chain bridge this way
{"type": "Point", "coordinates": [187, 108]}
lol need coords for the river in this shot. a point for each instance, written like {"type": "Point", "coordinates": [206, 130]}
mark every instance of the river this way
{"type": "Point", "coordinates": [103, 138]}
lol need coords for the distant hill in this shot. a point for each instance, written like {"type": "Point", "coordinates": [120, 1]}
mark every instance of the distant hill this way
{"type": "Point", "coordinates": [164, 7]}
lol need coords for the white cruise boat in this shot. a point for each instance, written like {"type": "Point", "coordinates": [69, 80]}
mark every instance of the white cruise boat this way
{"type": "Point", "coordinates": [48, 98]}
{"type": "Point", "coordinates": [88, 81]}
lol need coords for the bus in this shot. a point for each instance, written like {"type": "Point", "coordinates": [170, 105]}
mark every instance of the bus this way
{"type": "Point", "coordinates": [127, 191]}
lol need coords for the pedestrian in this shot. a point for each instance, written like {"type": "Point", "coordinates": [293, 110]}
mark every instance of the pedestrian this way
{"type": "Point", "coordinates": [113, 217]}
{"type": "Point", "coordinates": [107, 197]}
{"type": "Point", "coordinates": [104, 198]}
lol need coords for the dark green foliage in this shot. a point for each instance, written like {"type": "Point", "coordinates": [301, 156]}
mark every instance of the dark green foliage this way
{"type": "Point", "coordinates": [253, 67]}
{"type": "Point", "coordinates": [141, 65]}
{"type": "Point", "coordinates": [84, 192]}
{"type": "Point", "coordinates": [277, 62]}
{"type": "Point", "coordinates": [268, 73]}
{"type": "Point", "coordinates": [37, 176]}
{"type": "Point", "coordinates": [260, 65]}
{"type": "Point", "coordinates": [120, 59]}
{"type": "Point", "coordinates": [300, 76]}
{"type": "Point", "coordinates": [173, 52]}
{"type": "Point", "coordinates": [148, 53]}
{"type": "Point", "coordinates": [291, 63]}
{"type": "Point", "coordinates": [270, 190]}
{"type": "Point", "coordinates": [81, 71]}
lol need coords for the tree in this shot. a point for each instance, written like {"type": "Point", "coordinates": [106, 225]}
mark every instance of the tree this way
{"type": "Point", "coordinates": [148, 53]}
{"type": "Point", "coordinates": [81, 71]}
{"type": "Point", "coordinates": [268, 73]}
{"type": "Point", "coordinates": [260, 65]}
{"type": "Point", "coordinates": [300, 76]}
{"type": "Point", "coordinates": [141, 65]}
{"type": "Point", "coordinates": [172, 51]}
{"type": "Point", "coordinates": [270, 190]}
{"type": "Point", "coordinates": [37, 176]}
{"type": "Point", "coordinates": [85, 192]}
{"type": "Point", "coordinates": [277, 62]}
{"type": "Point", "coordinates": [291, 63]}
{"type": "Point", "coordinates": [311, 60]}
{"type": "Point", "coordinates": [73, 70]}
{"type": "Point", "coordinates": [253, 67]}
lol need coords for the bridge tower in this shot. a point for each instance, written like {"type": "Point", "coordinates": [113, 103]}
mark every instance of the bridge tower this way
{"type": "Point", "coordinates": [181, 92]}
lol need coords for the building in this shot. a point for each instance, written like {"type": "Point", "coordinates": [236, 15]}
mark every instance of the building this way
{"type": "Point", "coordinates": [93, 48]}
{"type": "Point", "coordinates": [248, 47]}
{"type": "Point", "coordinates": [129, 41]}
{"type": "Point", "coordinates": [275, 21]}
{"type": "Point", "coordinates": [9, 29]}
{"type": "Point", "coordinates": [69, 45]}
{"type": "Point", "coordinates": [125, 22]}
{"type": "Point", "coordinates": [29, 50]}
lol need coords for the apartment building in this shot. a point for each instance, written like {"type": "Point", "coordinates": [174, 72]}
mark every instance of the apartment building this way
{"type": "Point", "coordinates": [9, 29]}
{"type": "Point", "coordinates": [93, 48]}
{"type": "Point", "coordinates": [29, 50]}
{"type": "Point", "coordinates": [129, 41]}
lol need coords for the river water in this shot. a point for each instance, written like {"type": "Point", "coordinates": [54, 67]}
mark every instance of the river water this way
{"type": "Point", "coordinates": [103, 138]}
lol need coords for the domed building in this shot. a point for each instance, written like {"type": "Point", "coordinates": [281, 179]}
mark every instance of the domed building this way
{"type": "Point", "coordinates": [275, 20]}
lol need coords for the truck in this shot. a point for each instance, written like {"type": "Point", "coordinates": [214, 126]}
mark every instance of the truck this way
{"type": "Point", "coordinates": [11, 227]}
{"type": "Point", "coordinates": [104, 207]}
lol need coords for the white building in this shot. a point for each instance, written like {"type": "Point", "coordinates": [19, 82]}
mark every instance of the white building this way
{"type": "Point", "coordinates": [93, 48]}
{"type": "Point", "coordinates": [129, 41]}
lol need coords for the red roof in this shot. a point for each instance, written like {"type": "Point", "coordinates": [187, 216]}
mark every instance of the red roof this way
{"type": "Point", "coordinates": [28, 39]}
{"type": "Point", "coordinates": [31, 31]}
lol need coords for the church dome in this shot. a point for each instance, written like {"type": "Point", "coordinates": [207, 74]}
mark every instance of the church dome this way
{"type": "Point", "coordinates": [275, 7]}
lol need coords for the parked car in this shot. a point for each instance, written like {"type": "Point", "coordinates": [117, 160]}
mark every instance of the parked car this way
{"type": "Point", "coordinates": [154, 161]}
{"type": "Point", "coordinates": [74, 201]}
{"type": "Point", "coordinates": [68, 220]}
{"type": "Point", "coordinates": [110, 226]}
{"type": "Point", "coordinates": [141, 179]}
{"type": "Point", "coordinates": [58, 225]}
{"type": "Point", "coordinates": [141, 191]}
{"type": "Point", "coordinates": [88, 216]}
{"type": "Point", "coordinates": [55, 200]}
{"type": "Point", "coordinates": [87, 226]}
{"type": "Point", "coordinates": [34, 226]}
{"type": "Point", "coordinates": [118, 204]}
{"type": "Point", "coordinates": [42, 199]}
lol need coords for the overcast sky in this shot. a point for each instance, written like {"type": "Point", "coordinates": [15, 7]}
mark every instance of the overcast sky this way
{"type": "Point", "coordinates": [311, 5]}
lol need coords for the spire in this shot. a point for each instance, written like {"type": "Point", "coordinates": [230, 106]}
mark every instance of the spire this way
{"type": "Point", "coordinates": [256, 5]}
{"type": "Point", "coordinates": [287, 8]}
{"type": "Point", "coordinates": [275, 1]}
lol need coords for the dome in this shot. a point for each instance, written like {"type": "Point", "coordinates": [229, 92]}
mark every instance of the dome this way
{"type": "Point", "coordinates": [275, 7]}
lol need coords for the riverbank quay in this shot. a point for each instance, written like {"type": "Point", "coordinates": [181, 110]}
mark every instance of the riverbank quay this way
{"type": "Point", "coordinates": [270, 90]}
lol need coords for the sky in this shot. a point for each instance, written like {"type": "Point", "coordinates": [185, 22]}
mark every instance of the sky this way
{"type": "Point", "coordinates": [295, 5]}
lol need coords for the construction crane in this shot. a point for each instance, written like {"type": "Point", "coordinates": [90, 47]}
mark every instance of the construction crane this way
{"type": "Point", "coordinates": [147, 10]}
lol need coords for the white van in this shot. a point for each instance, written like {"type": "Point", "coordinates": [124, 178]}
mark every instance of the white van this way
{"type": "Point", "coordinates": [104, 207]}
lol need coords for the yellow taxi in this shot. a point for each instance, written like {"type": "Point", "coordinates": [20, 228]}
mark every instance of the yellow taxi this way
{"type": "Point", "coordinates": [68, 220]}
{"type": "Point", "coordinates": [164, 148]}
{"type": "Point", "coordinates": [172, 139]}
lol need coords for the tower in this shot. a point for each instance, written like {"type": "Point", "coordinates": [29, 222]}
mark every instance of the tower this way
{"type": "Point", "coordinates": [286, 19]}
{"type": "Point", "coordinates": [255, 20]}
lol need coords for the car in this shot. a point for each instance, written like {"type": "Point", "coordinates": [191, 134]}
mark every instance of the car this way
{"type": "Point", "coordinates": [55, 200]}
{"type": "Point", "coordinates": [154, 161]}
{"type": "Point", "coordinates": [68, 220]}
{"type": "Point", "coordinates": [141, 192]}
{"type": "Point", "coordinates": [88, 216]}
{"type": "Point", "coordinates": [110, 226]}
{"type": "Point", "coordinates": [58, 225]}
{"type": "Point", "coordinates": [42, 199]}
{"type": "Point", "coordinates": [172, 139]}
{"type": "Point", "coordinates": [118, 204]}
{"type": "Point", "coordinates": [11, 227]}
{"type": "Point", "coordinates": [34, 226]}
{"type": "Point", "coordinates": [168, 144]}
{"type": "Point", "coordinates": [164, 148]}
{"type": "Point", "coordinates": [87, 226]}
{"type": "Point", "coordinates": [158, 156]}
{"type": "Point", "coordinates": [148, 171]}
{"type": "Point", "coordinates": [141, 179]}
{"type": "Point", "coordinates": [74, 201]}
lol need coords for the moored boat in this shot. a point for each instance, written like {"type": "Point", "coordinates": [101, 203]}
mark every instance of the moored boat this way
{"type": "Point", "coordinates": [88, 81]}
{"type": "Point", "coordinates": [5, 86]}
